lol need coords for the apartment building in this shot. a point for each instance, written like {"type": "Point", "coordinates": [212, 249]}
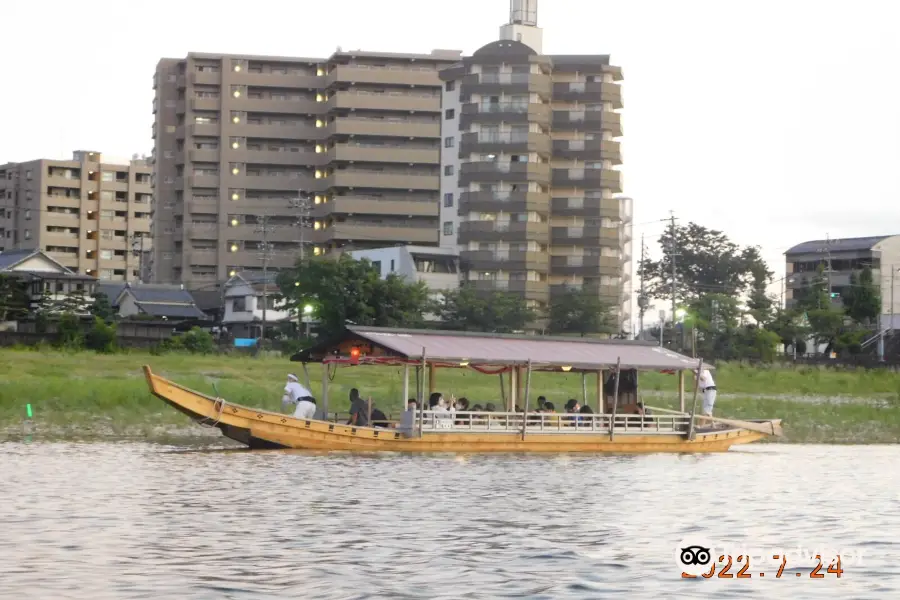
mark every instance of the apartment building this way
{"type": "Point", "coordinates": [91, 214]}
{"type": "Point", "coordinates": [238, 137]}
{"type": "Point", "coordinates": [530, 185]}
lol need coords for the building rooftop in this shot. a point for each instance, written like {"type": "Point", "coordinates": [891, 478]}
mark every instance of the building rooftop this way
{"type": "Point", "coordinates": [838, 245]}
{"type": "Point", "coordinates": [10, 258]}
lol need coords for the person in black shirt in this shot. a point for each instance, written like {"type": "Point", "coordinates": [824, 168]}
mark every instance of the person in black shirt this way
{"type": "Point", "coordinates": [379, 419]}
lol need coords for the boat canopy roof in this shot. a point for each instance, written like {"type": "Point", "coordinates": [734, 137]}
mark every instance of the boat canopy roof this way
{"type": "Point", "coordinates": [380, 345]}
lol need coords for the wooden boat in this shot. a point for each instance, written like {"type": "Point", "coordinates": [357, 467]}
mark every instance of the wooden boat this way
{"type": "Point", "coordinates": [618, 427]}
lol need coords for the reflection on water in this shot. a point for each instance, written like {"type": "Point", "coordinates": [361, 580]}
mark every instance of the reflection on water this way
{"type": "Point", "coordinates": [128, 521]}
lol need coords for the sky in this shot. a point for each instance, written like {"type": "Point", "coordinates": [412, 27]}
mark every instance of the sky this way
{"type": "Point", "coordinates": [774, 122]}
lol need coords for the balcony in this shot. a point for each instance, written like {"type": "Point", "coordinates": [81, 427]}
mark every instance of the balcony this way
{"type": "Point", "coordinates": [588, 150]}
{"type": "Point", "coordinates": [490, 113]}
{"type": "Point", "coordinates": [531, 290]}
{"type": "Point", "coordinates": [281, 183]}
{"type": "Point", "coordinates": [587, 207]}
{"type": "Point", "coordinates": [205, 104]}
{"type": "Point", "coordinates": [390, 100]}
{"type": "Point", "coordinates": [204, 129]}
{"type": "Point", "coordinates": [206, 78]}
{"type": "Point", "coordinates": [504, 201]}
{"type": "Point", "coordinates": [303, 158]}
{"type": "Point", "coordinates": [498, 260]}
{"type": "Point", "coordinates": [203, 181]}
{"type": "Point", "coordinates": [205, 156]}
{"type": "Point", "coordinates": [499, 231]}
{"type": "Point", "coordinates": [609, 293]}
{"type": "Point", "coordinates": [384, 127]}
{"type": "Point", "coordinates": [203, 231]}
{"type": "Point", "coordinates": [304, 81]}
{"type": "Point", "coordinates": [379, 233]}
{"type": "Point", "coordinates": [591, 91]}
{"type": "Point", "coordinates": [493, 84]}
{"type": "Point", "coordinates": [586, 266]}
{"type": "Point", "coordinates": [278, 132]}
{"type": "Point", "coordinates": [201, 258]}
{"type": "Point", "coordinates": [496, 171]}
{"type": "Point", "coordinates": [267, 105]}
{"type": "Point", "coordinates": [250, 231]}
{"type": "Point", "coordinates": [377, 205]}
{"type": "Point", "coordinates": [383, 154]}
{"type": "Point", "coordinates": [586, 236]}
{"type": "Point", "coordinates": [62, 182]}
{"type": "Point", "coordinates": [506, 142]}
{"type": "Point", "coordinates": [414, 180]}
{"type": "Point", "coordinates": [588, 178]}
{"type": "Point", "coordinates": [413, 76]}
{"type": "Point", "coordinates": [588, 120]}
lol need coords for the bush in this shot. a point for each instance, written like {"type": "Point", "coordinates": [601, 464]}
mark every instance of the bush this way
{"type": "Point", "coordinates": [69, 332]}
{"type": "Point", "coordinates": [195, 341]}
{"type": "Point", "coordinates": [101, 337]}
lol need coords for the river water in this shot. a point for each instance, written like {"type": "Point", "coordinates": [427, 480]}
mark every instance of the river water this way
{"type": "Point", "coordinates": [133, 520]}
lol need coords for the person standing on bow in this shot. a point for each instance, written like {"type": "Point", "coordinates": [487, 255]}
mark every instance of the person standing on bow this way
{"type": "Point", "coordinates": [294, 393]}
{"type": "Point", "coordinates": [707, 386]}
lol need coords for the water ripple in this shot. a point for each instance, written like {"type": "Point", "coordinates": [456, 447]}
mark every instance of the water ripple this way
{"type": "Point", "coordinates": [134, 521]}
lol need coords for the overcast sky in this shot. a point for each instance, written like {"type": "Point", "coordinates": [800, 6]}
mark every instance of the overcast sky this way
{"type": "Point", "coordinates": [775, 122]}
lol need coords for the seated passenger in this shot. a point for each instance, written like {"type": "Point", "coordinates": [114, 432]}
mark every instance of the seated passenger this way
{"type": "Point", "coordinates": [407, 422]}
{"type": "Point", "coordinates": [586, 421]}
{"type": "Point", "coordinates": [462, 405]}
{"type": "Point", "coordinates": [553, 419]}
{"type": "Point", "coordinates": [359, 410]}
{"type": "Point", "coordinates": [442, 417]}
{"type": "Point", "coordinates": [572, 408]}
{"type": "Point", "coordinates": [379, 419]}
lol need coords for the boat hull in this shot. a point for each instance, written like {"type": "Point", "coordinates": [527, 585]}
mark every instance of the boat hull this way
{"type": "Point", "coordinates": [263, 430]}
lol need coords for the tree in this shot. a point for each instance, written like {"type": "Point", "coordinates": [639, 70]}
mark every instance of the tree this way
{"type": "Point", "coordinates": [101, 337]}
{"type": "Point", "coordinates": [14, 299]}
{"type": "Point", "coordinates": [345, 290]}
{"type": "Point", "coordinates": [101, 307]}
{"type": "Point", "coordinates": [862, 298]}
{"type": "Point", "coordinates": [582, 312]}
{"type": "Point", "coordinates": [706, 261]}
{"type": "Point", "coordinates": [465, 309]}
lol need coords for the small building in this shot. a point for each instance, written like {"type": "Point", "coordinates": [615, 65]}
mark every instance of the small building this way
{"type": "Point", "coordinates": [162, 301]}
{"type": "Point", "coordinates": [245, 295]}
{"type": "Point", "coordinates": [47, 280]}
{"type": "Point", "coordinates": [839, 259]}
{"type": "Point", "coordinates": [438, 268]}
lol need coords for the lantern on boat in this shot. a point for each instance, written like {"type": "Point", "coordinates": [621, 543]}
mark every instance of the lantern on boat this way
{"type": "Point", "coordinates": [354, 355]}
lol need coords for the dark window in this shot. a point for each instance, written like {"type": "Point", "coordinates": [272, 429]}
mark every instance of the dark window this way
{"type": "Point", "coordinates": [448, 200]}
{"type": "Point", "coordinates": [448, 170]}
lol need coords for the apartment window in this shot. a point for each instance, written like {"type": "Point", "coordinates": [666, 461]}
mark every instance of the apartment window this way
{"type": "Point", "coordinates": [28, 175]}
{"type": "Point", "coordinates": [448, 227]}
{"type": "Point", "coordinates": [28, 215]}
{"type": "Point", "coordinates": [448, 142]}
{"type": "Point", "coordinates": [450, 86]}
{"type": "Point", "coordinates": [448, 170]}
{"type": "Point", "coordinates": [107, 176]}
{"type": "Point", "coordinates": [27, 234]}
{"type": "Point", "coordinates": [449, 114]}
{"type": "Point", "coordinates": [168, 154]}
{"type": "Point", "coordinates": [170, 129]}
{"type": "Point", "coordinates": [172, 78]}
{"type": "Point", "coordinates": [448, 200]}
{"type": "Point", "coordinates": [106, 254]}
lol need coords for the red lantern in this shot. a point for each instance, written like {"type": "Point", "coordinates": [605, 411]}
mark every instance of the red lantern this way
{"type": "Point", "coordinates": [354, 356]}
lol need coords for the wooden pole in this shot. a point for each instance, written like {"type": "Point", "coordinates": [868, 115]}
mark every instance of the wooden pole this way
{"type": "Point", "coordinates": [681, 389]}
{"type": "Point", "coordinates": [694, 404]}
{"type": "Point", "coordinates": [615, 406]}
{"type": "Point", "coordinates": [513, 387]}
{"type": "Point", "coordinates": [601, 405]}
{"type": "Point", "coordinates": [432, 384]}
{"type": "Point", "coordinates": [583, 388]}
{"type": "Point", "coordinates": [503, 388]}
{"type": "Point", "coordinates": [325, 390]}
{"type": "Point", "coordinates": [405, 386]}
{"type": "Point", "coordinates": [769, 427]}
{"type": "Point", "coordinates": [369, 411]}
{"type": "Point", "coordinates": [305, 373]}
{"type": "Point", "coordinates": [527, 395]}
{"type": "Point", "coordinates": [421, 392]}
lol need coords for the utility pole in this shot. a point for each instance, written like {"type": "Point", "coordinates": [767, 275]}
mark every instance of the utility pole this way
{"type": "Point", "coordinates": [265, 253]}
{"type": "Point", "coordinates": [673, 253]}
{"type": "Point", "coordinates": [642, 299]}
{"type": "Point", "coordinates": [137, 246]}
{"type": "Point", "coordinates": [302, 204]}
{"type": "Point", "coordinates": [828, 266]}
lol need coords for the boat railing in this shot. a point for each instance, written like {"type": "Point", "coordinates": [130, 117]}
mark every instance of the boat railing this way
{"type": "Point", "coordinates": [551, 422]}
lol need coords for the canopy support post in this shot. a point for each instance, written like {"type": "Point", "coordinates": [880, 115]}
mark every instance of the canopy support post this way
{"type": "Point", "coordinates": [583, 388]}
{"type": "Point", "coordinates": [694, 405]}
{"type": "Point", "coordinates": [601, 401]}
{"type": "Point", "coordinates": [681, 389]}
{"type": "Point", "coordinates": [612, 421]}
{"type": "Point", "coordinates": [513, 388]}
{"type": "Point", "coordinates": [421, 393]}
{"type": "Point", "coordinates": [325, 390]}
{"type": "Point", "coordinates": [527, 397]}
{"type": "Point", "coordinates": [405, 385]}
{"type": "Point", "coordinates": [306, 375]}
{"type": "Point", "coordinates": [432, 383]}
{"type": "Point", "coordinates": [503, 388]}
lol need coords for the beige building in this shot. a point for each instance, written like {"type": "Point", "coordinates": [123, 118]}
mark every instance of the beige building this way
{"type": "Point", "coordinates": [89, 214]}
{"type": "Point", "coordinates": [531, 180]}
{"type": "Point", "coordinates": [239, 137]}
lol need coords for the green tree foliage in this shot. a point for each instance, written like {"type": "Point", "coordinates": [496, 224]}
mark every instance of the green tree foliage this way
{"type": "Point", "coordinates": [862, 298]}
{"type": "Point", "coordinates": [581, 312]}
{"type": "Point", "coordinates": [14, 299]}
{"type": "Point", "coordinates": [706, 261]}
{"type": "Point", "coordinates": [101, 337]}
{"type": "Point", "coordinates": [345, 290]}
{"type": "Point", "coordinates": [68, 331]}
{"type": "Point", "coordinates": [465, 309]}
{"type": "Point", "coordinates": [101, 308]}
{"type": "Point", "coordinates": [195, 341]}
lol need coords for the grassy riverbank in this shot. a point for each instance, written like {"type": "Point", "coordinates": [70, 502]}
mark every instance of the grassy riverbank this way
{"type": "Point", "coordinates": [85, 393]}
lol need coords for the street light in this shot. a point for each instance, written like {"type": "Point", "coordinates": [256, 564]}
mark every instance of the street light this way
{"type": "Point", "coordinates": [680, 314]}
{"type": "Point", "coordinates": [307, 316]}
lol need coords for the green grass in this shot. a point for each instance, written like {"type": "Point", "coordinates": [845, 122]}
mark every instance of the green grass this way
{"type": "Point", "coordinates": [84, 392]}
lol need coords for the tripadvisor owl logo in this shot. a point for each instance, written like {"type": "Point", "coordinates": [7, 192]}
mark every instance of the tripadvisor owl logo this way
{"type": "Point", "coordinates": [693, 556]}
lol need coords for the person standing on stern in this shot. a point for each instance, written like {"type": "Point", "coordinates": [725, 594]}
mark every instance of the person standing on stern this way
{"type": "Point", "coordinates": [707, 387]}
{"type": "Point", "coordinates": [294, 393]}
